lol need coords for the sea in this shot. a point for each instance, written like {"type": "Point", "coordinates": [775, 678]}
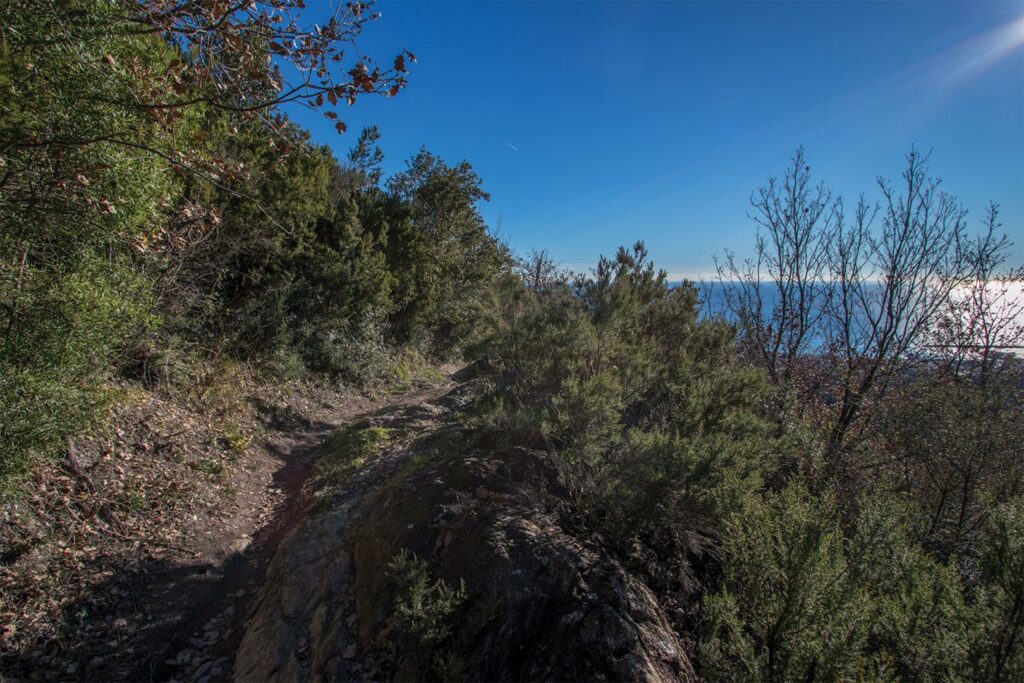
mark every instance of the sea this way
{"type": "Point", "coordinates": [1007, 298]}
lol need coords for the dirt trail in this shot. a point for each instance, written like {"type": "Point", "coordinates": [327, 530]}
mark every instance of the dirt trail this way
{"type": "Point", "coordinates": [198, 609]}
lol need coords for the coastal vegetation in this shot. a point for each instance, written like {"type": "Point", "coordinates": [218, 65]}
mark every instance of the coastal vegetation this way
{"type": "Point", "coordinates": [826, 473]}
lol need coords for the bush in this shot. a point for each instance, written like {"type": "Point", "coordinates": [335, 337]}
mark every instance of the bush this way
{"type": "Point", "coordinates": [995, 617]}
{"type": "Point", "coordinates": [954, 447]}
{"type": "Point", "coordinates": [802, 598]}
{"type": "Point", "coordinates": [443, 258]}
{"type": "Point", "coordinates": [71, 218]}
{"type": "Point", "coordinates": [355, 350]}
{"type": "Point", "coordinates": [57, 352]}
{"type": "Point", "coordinates": [423, 610]}
{"type": "Point", "coordinates": [638, 399]}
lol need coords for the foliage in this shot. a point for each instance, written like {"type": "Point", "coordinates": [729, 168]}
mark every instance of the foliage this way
{"type": "Point", "coordinates": [539, 271]}
{"type": "Point", "coordinates": [358, 441]}
{"type": "Point", "coordinates": [348, 448]}
{"type": "Point", "coordinates": [874, 296]}
{"type": "Point", "coordinates": [843, 464]}
{"type": "Point", "coordinates": [892, 555]}
{"type": "Point", "coordinates": [442, 254]}
{"type": "Point", "coordinates": [423, 610]}
{"type": "Point", "coordinates": [638, 399]}
{"type": "Point", "coordinates": [243, 58]}
{"type": "Point", "coordinates": [158, 214]}
{"type": "Point", "coordinates": [800, 599]}
{"type": "Point", "coordinates": [996, 615]}
{"type": "Point", "coordinates": [655, 422]}
{"type": "Point", "coordinates": [57, 350]}
{"type": "Point", "coordinates": [954, 447]}
{"type": "Point", "coordinates": [70, 218]}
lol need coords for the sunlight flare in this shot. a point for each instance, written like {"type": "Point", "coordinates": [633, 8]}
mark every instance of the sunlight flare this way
{"type": "Point", "coordinates": [977, 55]}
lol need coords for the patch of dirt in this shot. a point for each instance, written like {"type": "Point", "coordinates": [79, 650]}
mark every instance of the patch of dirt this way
{"type": "Point", "coordinates": [138, 557]}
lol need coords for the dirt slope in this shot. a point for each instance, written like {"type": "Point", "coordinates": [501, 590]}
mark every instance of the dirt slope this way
{"type": "Point", "coordinates": [275, 565]}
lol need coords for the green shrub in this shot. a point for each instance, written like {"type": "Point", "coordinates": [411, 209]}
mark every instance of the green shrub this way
{"type": "Point", "coordinates": [57, 353]}
{"type": "Point", "coordinates": [784, 610]}
{"type": "Point", "coordinates": [995, 617]}
{"type": "Point", "coordinates": [441, 254]}
{"type": "Point", "coordinates": [72, 216]}
{"type": "Point", "coordinates": [355, 351]}
{"type": "Point", "coordinates": [801, 598]}
{"type": "Point", "coordinates": [348, 447]}
{"type": "Point", "coordinates": [424, 611]}
{"type": "Point", "coordinates": [639, 400]}
{"type": "Point", "coordinates": [954, 447]}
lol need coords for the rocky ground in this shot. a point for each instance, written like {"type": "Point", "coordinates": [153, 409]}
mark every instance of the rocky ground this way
{"type": "Point", "coordinates": [173, 549]}
{"type": "Point", "coordinates": [137, 556]}
{"type": "Point", "coordinates": [537, 602]}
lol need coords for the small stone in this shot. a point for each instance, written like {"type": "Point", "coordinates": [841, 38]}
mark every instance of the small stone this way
{"type": "Point", "coordinates": [240, 544]}
{"type": "Point", "coordinates": [349, 652]}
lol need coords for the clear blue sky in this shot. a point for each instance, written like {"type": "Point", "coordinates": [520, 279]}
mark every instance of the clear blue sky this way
{"type": "Point", "coordinates": [596, 124]}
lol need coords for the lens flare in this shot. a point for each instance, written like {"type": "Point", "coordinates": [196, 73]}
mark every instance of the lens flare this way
{"type": "Point", "coordinates": [974, 57]}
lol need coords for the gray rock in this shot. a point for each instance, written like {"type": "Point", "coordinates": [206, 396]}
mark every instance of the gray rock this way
{"type": "Point", "coordinates": [544, 604]}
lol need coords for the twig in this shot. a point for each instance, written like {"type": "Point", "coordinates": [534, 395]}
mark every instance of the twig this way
{"type": "Point", "coordinates": [71, 464]}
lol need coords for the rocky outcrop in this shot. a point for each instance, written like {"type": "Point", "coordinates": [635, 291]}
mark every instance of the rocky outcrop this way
{"type": "Point", "coordinates": [542, 603]}
{"type": "Point", "coordinates": [296, 631]}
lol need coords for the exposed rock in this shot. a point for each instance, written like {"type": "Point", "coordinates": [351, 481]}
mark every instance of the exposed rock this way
{"type": "Point", "coordinates": [543, 604]}
{"type": "Point", "coordinates": [296, 624]}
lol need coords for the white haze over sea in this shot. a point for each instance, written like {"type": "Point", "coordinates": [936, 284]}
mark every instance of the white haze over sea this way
{"type": "Point", "coordinates": [1008, 298]}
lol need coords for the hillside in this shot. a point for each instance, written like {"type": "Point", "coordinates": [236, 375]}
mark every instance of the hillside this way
{"type": "Point", "coordinates": [278, 409]}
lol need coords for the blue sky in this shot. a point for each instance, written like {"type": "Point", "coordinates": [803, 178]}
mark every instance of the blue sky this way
{"type": "Point", "coordinates": [597, 124]}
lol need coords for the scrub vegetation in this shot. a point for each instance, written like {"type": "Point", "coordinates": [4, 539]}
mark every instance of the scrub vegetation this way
{"type": "Point", "coordinates": [828, 471]}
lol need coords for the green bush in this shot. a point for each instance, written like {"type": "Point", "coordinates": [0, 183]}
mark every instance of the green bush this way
{"type": "Point", "coordinates": [995, 617]}
{"type": "Point", "coordinates": [72, 217]}
{"type": "Point", "coordinates": [423, 611]}
{"type": "Point", "coordinates": [784, 611]}
{"type": "Point", "coordinates": [158, 241]}
{"type": "Point", "coordinates": [441, 253]}
{"type": "Point", "coordinates": [354, 350]}
{"type": "Point", "coordinates": [954, 447]}
{"type": "Point", "coordinates": [801, 597]}
{"type": "Point", "coordinates": [59, 347]}
{"type": "Point", "coordinates": [638, 399]}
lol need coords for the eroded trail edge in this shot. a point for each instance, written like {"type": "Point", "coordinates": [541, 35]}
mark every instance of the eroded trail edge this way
{"type": "Point", "coordinates": [200, 645]}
